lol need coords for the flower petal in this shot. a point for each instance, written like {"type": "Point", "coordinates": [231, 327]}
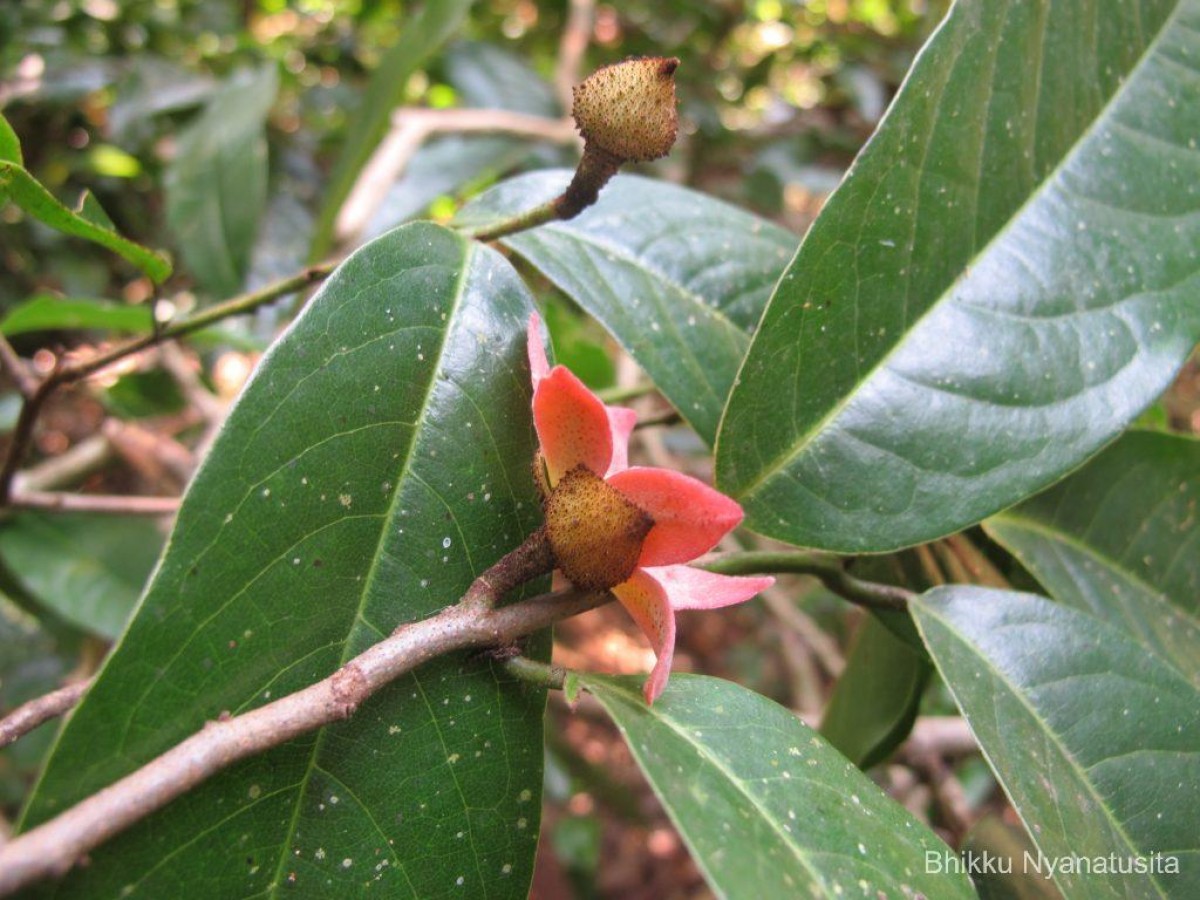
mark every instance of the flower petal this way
{"type": "Point", "coordinates": [689, 516]}
{"type": "Point", "coordinates": [646, 601]}
{"type": "Point", "coordinates": [539, 366]}
{"type": "Point", "coordinates": [572, 425]}
{"type": "Point", "coordinates": [689, 588]}
{"type": "Point", "coordinates": [621, 421]}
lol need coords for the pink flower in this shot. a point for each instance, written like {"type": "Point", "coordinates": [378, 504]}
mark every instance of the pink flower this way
{"type": "Point", "coordinates": [627, 529]}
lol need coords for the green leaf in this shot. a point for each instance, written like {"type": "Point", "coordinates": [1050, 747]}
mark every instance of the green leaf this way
{"type": "Point", "coordinates": [24, 190]}
{"type": "Point", "coordinates": [46, 312]}
{"type": "Point", "coordinates": [217, 182]}
{"type": "Point", "coordinates": [1095, 739]}
{"type": "Point", "coordinates": [10, 144]}
{"type": "Point", "coordinates": [767, 808]}
{"type": "Point", "coordinates": [1119, 539]}
{"type": "Point", "coordinates": [1005, 279]}
{"type": "Point", "coordinates": [678, 278]}
{"type": "Point", "coordinates": [374, 466]}
{"type": "Point", "coordinates": [875, 701]}
{"type": "Point", "coordinates": [88, 569]}
{"type": "Point", "coordinates": [419, 39]}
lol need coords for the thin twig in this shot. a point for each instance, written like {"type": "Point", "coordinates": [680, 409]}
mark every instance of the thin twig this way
{"type": "Point", "coordinates": [411, 128]}
{"type": "Point", "coordinates": [29, 716]}
{"type": "Point", "coordinates": [11, 363]}
{"type": "Point", "coordinates": [863, 593]}
{"type": "Point", "coordinates": [68, 468]}
{"type": "Point", "coordinates": [52, 848]}
{"type": "Point", "coordinates": [66, 373]}
{"type": "Point", "coordinates": [102, 504]}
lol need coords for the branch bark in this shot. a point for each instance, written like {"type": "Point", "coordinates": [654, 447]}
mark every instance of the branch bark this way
{"type": "Point", "coordinates": [29, 716]}
{"type": "Point", "coordinates": [53, 847]}
{"type": "Point", "coordinates": [100, 504]}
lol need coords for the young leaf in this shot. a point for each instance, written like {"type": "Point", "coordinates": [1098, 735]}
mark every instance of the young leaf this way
{"type": "Point", "coordinates": [1095, 739]}
{"type": "Point", "coordinates": [89, 570]}
{"type": "Point", "coordinates": [10, 144]}
{"type": "Point", "coordinates": [46, 312]}
{"type": "Point", "coordinates": [1119, 539]}
{"type": "Point", "coordinates": [875, 701]}
{"type": "Point", "coordinates": [375, 465]}
{"type": "Point", "coordinates": [678, 278]}
{"type": "Point", "coordinates": [767, 808]}
{"type": "Point", "coordinates": [1005, 279]}
{"type": "Point", "coordinates": [24, 190]}
{"type": "Point", "coordinates": [217, 183]}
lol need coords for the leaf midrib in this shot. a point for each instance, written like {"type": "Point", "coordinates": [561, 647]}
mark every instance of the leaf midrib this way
{"type": "Point", "coordinates": [629, 696]}
{"type": "Point", "coordinates": [467, 248]}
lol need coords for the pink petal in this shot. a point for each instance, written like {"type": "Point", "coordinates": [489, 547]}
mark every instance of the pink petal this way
{"type": "Point", "coordinates": [689, 588]}
{"type": "Point", "coordinates": [538, 364]}
{"type": "Point", "coordinates": [621, 421]}
{"type": "Point", "coordinates": [572, 425]}
{"type": "Point", "coordinates": [646, 601]}
{"type": "Point", "coordinates": [689, 516]}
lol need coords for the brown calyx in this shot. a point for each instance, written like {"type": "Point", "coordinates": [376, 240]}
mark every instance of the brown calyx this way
{"type": "Point", "coordinates": [595, 532]}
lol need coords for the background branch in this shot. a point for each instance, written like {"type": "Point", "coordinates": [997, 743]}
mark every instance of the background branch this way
{"type": "Point", "coordinates": [106, 504]}
{"type": "Point", "coordinates": [411, 128]}
{"type": "Point", "coordinates": [67, 373]}
{"type": "Point", "coordinates": [571, 47]}
{"type": "Point", "coordinates": [29, 716]}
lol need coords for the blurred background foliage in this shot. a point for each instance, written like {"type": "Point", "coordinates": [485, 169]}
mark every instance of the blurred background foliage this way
{"type": "Point", "coordinates": [775, 99]}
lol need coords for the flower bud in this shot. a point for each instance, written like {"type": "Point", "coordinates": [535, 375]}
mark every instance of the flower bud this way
{"type": "Point", "coordinates": [628, 109]}
{"type": "Point", "coordinates": [595, 532]}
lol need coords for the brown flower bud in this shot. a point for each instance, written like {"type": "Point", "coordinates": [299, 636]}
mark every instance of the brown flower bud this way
{"type": "Point", "coordinates": [628, 109]}
{"type": "Point", "coordinates": [595, 532]}
{"type": "Point", "coordinates": [626, 113]}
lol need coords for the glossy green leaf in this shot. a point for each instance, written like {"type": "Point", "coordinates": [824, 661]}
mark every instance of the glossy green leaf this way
{"type": "Point", "coordinates": [678, 278]}
{"type": "Point", "coordinates": [10, 144]}
{"type": "Point", "coordinates": [1119, 539]}
{"type": "Point", "coordinates": [88, 569]}
{"type": "Point", "coordinates": [1005, 279]}
{"type": "Point", "coordinates": [46, 312]}
{"type": "Point", "coordinates": [374, 466]}
{"type": "Point", "coordinates": [874, 703]}
{"type": "Point", "coordinates": [217, 182]}
{"type": "Point", "coordinates": [419, 39]}
{"type": "Point", "coordinates": [1095, 739]}
{"type": "Point", "coordinates": [767, 808]}
{"type": "Point", "coordinates": [24, 190]}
